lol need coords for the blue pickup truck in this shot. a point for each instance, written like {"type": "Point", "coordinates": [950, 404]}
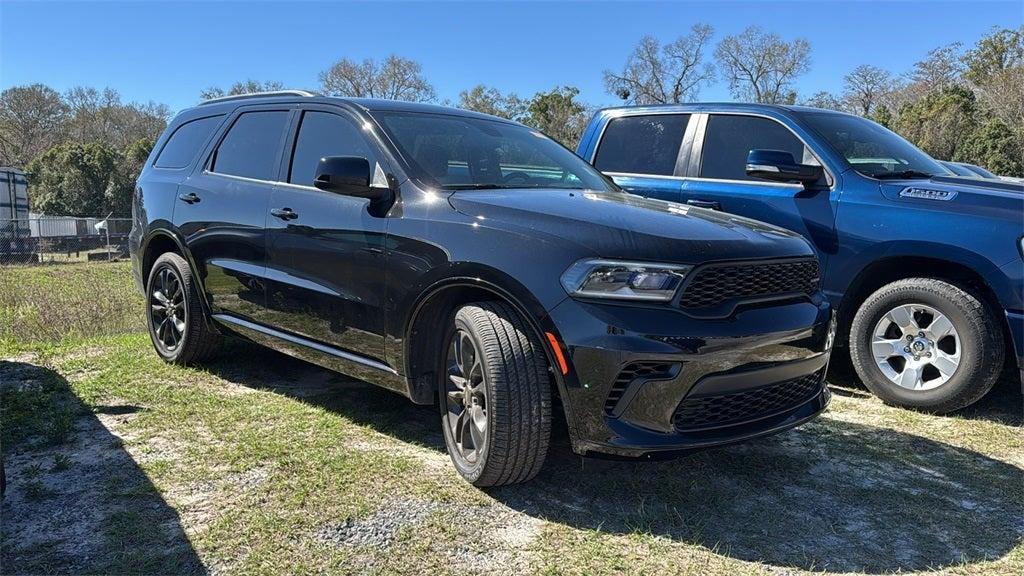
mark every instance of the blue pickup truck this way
{"type": "Point", "coordinates": [925, 267]}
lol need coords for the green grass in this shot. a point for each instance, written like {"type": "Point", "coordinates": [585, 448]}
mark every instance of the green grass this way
{"type": "Point", "coordinates": [256, 463]}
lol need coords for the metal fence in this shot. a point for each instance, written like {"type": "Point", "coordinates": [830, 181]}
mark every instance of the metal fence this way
{"type": "Point", "coordinates": [58, 239]}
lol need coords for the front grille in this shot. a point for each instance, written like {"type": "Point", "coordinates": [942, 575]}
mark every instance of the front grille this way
{"type": "Point", "coordinates": [648, 370]}
{"type": "Point", "coordinates": [702, 412]}
{"type": "Point", "coordinates": [716, 284]}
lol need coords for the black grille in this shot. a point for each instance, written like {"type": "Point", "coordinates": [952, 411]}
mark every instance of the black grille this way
{"type": "Point", "coordinates": [696, 413]}
{"type": "Point", "coordinates": [718, 283]}
{"type": "Point", "coordinates": [632, 372]}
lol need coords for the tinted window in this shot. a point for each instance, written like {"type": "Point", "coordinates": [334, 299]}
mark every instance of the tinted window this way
{"type": "Point", "coordinates": [870, 148]}
{"type": "Point", "coordinates": [323, 134]}
{"type": "Point", "coordinates": [729, 138]}
{"type": "Point", "coordinates": [184, 143]}
{"type": "Point", "coordinates": [642, 144]}
{"type": "Point", "coordinates": [251, 146]}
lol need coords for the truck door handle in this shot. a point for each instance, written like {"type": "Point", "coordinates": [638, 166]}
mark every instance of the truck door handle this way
{"type": "Point", "coordinates": [705, 204]}
{"type": "Point", "coordinates": [284, 213]}
{"type": "Point", "coordinates": [190, 198]}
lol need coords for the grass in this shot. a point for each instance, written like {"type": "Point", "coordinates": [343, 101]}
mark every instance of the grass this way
{"type": "Point", "coordinates": [268, 465]}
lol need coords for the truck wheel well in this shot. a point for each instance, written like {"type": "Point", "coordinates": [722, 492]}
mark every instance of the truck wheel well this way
{"type": "Point", "coordinates": [158, 245]}
{"type": "Point", "coordinates": [426, 333]}
{"type": "Point", "coordinates": [887, 270]}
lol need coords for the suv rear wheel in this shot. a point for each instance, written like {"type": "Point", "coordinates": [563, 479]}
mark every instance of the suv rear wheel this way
{"type": "Point", "coordinates": [926, 344]}
{"type": "Point", "coordinates": [495, 396]}
{"type": "Point", "coordinates": [174, 313]}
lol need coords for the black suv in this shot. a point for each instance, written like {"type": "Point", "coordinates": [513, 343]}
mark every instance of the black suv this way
{"type": "Point", "coordinates": [467, 260]}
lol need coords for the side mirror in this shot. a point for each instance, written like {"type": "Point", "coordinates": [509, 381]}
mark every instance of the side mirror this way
{"type": "Point", "coordinates": [348, 175]}
{"type": "Point", "coordinates": [779, 166]}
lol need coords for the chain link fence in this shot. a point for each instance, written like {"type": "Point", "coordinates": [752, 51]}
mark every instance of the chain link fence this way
{"type": "Point", "coordinates": [58, 239]}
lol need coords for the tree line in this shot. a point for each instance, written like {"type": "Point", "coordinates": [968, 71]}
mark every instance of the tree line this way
{"type": "Point", "coordinates": [83, 148]}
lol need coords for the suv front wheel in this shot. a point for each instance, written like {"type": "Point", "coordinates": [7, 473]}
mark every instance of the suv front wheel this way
{"type": "Point", "coordinates": [495, 396]}
{"type": "Point", "coordinates": [926, 344]}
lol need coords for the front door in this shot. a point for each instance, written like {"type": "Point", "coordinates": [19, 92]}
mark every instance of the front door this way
{"type": "Point", "coordinates": [325, 251]}
{"type": "Point", "coordinates": [221, 211]}
{"type": "Point", "coordinates": [642, 153]}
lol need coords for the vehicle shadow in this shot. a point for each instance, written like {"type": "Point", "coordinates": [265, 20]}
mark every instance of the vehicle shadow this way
{"type": "Point", "coordinates": [76, 501]}
{"type": "Point", "coordinates": [832, 495]}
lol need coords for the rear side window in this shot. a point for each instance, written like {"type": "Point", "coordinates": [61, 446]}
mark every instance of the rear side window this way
{"type": "Point", "coordinates": [642, 144]}
{"type": "Point", "coordinates": [184, 143]}
{"type": "Point", "coordinates": [730, 138]}
{"type": "Point", "coordinates": [323, 134]}
{"type": "Point", "coordinates": [251, 146]}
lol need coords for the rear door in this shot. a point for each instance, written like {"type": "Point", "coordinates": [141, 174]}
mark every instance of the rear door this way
{"type": "Point", "coordinates": [717, 178]}
{"type": "Point", "coordinates": [326, 252]}
{"type": "Point", "coordinates": [221, 210]}
{"type": "Point", "coordinates": [646, 154]}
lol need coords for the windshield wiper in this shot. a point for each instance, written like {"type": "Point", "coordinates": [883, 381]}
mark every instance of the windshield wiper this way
{"type": "Point", "coordinates": [902, 174]}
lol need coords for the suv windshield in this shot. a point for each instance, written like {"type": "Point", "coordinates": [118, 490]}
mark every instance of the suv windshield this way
{"type": "Point", "coordinates": [464, 153]}
{"type": "Point", "coordinates": [871, 149]}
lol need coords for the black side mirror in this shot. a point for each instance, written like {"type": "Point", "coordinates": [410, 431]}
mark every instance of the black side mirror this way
{"type": "Point", "coordinates": [348, 175]}
{"type": "Point", "coordinates": [779, 166]}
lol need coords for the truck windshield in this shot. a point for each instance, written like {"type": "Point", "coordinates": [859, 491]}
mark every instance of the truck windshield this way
{"type": "Point", "coordinates": [463, 153]}
{"type": "Point", "coordinates": [871, 149]}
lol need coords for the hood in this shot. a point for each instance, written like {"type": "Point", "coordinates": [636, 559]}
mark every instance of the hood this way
{"type": "Point", "coordinates": [977, 196]}
{"type": "Point", "coordinates": [620, 225]}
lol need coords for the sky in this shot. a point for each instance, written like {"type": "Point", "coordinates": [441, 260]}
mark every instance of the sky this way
{"type": "Point", "coordinates": [170, 51]}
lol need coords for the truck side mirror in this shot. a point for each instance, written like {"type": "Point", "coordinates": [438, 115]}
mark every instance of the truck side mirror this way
{"type": "Point", "coordinates": [348, 175]}
{"type": "Point", "coordinates": [779, 166]}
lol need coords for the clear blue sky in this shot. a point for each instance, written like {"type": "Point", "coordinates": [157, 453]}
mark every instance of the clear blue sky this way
{"type": "Point", "coordinates": [168, 52]}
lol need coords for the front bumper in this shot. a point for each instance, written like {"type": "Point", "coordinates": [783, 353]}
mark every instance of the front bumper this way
{"type": "Point", "coordinates": [648, 381]}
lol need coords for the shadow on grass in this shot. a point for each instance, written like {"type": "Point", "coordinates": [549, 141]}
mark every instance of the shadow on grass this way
{"type": "Point", "coordinates": [831, 495]}
{"type": "Point", "coordinates": [76, 501]}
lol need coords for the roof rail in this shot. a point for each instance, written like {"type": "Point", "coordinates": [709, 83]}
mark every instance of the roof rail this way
{"type": "Point", "coordinates": [269, 94]}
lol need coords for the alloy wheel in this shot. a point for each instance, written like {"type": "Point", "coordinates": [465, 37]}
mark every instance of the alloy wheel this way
{"type": "Point", "coordinates": [916, 347]}
{"type": "Point", "coordinates": [167, 314]}
{"type": "Point", "coordinates": [466, 398]}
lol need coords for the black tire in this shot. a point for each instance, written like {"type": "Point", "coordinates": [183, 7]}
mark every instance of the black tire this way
{"type": "Point", "coordinates": [518, 395]}
{"type": "Point", "coordinates": [197, 341]}
{"type": "Point", "coordinates": [980, 343]}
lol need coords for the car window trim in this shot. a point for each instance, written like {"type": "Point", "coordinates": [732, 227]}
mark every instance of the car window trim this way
{"type": "Point", "coordinates": [213, 134]}
{"type": "Point", "coordinates": [698, 152]}
{"type": "Point", "coordinates": [627, 114]}
{"type": "Point", "coordinates": [232, 119]}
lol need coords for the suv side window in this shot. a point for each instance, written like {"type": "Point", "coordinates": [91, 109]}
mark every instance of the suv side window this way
{"type": "Point", "coordinates": [251, 145]}
{"type": "Point", "coordinates": [185, 142]}
{"type": "Point", "coordinates": [642, 144]}
{"type": "Point", "coordinates": [728, 139]}
{"type": "Point", "coordinates": [324, 134]}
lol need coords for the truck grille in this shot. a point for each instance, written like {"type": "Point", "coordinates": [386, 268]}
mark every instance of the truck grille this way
{"type": "Point", "coordinates": [716, 284]}
{"type": "Point", "coordinates": [703, 412]}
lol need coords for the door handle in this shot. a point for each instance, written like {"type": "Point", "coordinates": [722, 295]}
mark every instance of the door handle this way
{"type": "Point", "coordinates": [284, 213]}
{"type": "Point", "coordinates": [705, 204]}
{"type": "Point", "coordinates": [190, 198]}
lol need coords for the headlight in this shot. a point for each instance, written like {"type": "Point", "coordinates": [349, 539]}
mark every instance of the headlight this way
{"type": "Point", "coordinates": [623, 280]}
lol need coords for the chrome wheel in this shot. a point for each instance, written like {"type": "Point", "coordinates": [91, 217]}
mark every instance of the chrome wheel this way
{"type": "Point", "coordinates": [466, 398]}
{"type": "Point", "coordinates": [167, 309]}
{"type": "Point", "coordinates": [916, 347]}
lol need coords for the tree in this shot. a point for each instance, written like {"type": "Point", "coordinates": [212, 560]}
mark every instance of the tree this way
{"type": "Point", "coordinates": [558, 114]}
{"type": "Point", "coordinates": [994, 68]}
{"type": "Point", "coordinates": [825, 100]}
{"type": "Point", "coordinates": [71, 179]}
{"type": "Point", "coordinates": [939, 69]}
{"type": "Point", "coordinates": [866, 87]}
{"type": "Point", "coordinates": [488, 100]}
{"type": "Point", "coordinates": [249, 86]}
{"type": "Point", "coordinates": [1001, 50]}
{"type": "Point", "coordinates": [761, 67]}
{"type": "Point", "coordinates": [654, 74]}
{"type": "Point", "coordinates": [32, 119]}
{"type": "Point", "coordinates": [118, 194]}
{"type": "Point", "coordinates": [395, 78]}
{"type": "Point", "coordinates": [940, 122]}
{"type": "Point", "coordinates": [994, 146]}
{"type": "Point", "coordinates": [100, 116]}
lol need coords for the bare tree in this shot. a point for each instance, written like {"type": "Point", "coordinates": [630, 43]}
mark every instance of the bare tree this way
{"type": "Point", "coordinates": [31, 121]}
{"type": "Point", "coordinates": [489, 100]}
{"type": "Point", "coordinates": [395, 78]}
{"type": "Point", "coordinates": [939, 69]}
{"type": "Point", "coordinates": [656, 74]}
{"type": "Point", "coordinates": [866, 87]}
{"type": "Point", "coordinates": [761, 67]}
{"type": "Point", "coordinates": [825, 100]}
{"type": "Point", "coordinates": [994, 69]}
{"type": "Point", "coordinates": [101, 116]}
{"type": "Point", "coordinates": [249, 86]}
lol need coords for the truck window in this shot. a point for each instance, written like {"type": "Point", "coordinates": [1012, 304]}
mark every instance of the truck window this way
{"type": "Point", "coordinates": [324, 134]}
{"type": "Point", "coordinates": [730, 137]}
{"type": "Point", "coordinates": [184, 143]}
{"type": "Point", "coordinates": [251, 146]}
{"type": "Point", "coordinates": [642, 144]}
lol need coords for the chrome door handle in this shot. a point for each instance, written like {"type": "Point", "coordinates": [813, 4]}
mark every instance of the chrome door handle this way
{"type": "Point", "coordinates": [705, 204]}
{"type": "Point", "coordinates": [284, 213]}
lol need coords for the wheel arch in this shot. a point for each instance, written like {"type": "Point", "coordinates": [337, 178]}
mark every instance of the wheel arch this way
{"type": "Point", "coordinates": [161, 241]}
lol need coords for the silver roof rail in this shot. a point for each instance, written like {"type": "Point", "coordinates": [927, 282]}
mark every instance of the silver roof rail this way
{"type": "Point", "coordinates": [303, 93]}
